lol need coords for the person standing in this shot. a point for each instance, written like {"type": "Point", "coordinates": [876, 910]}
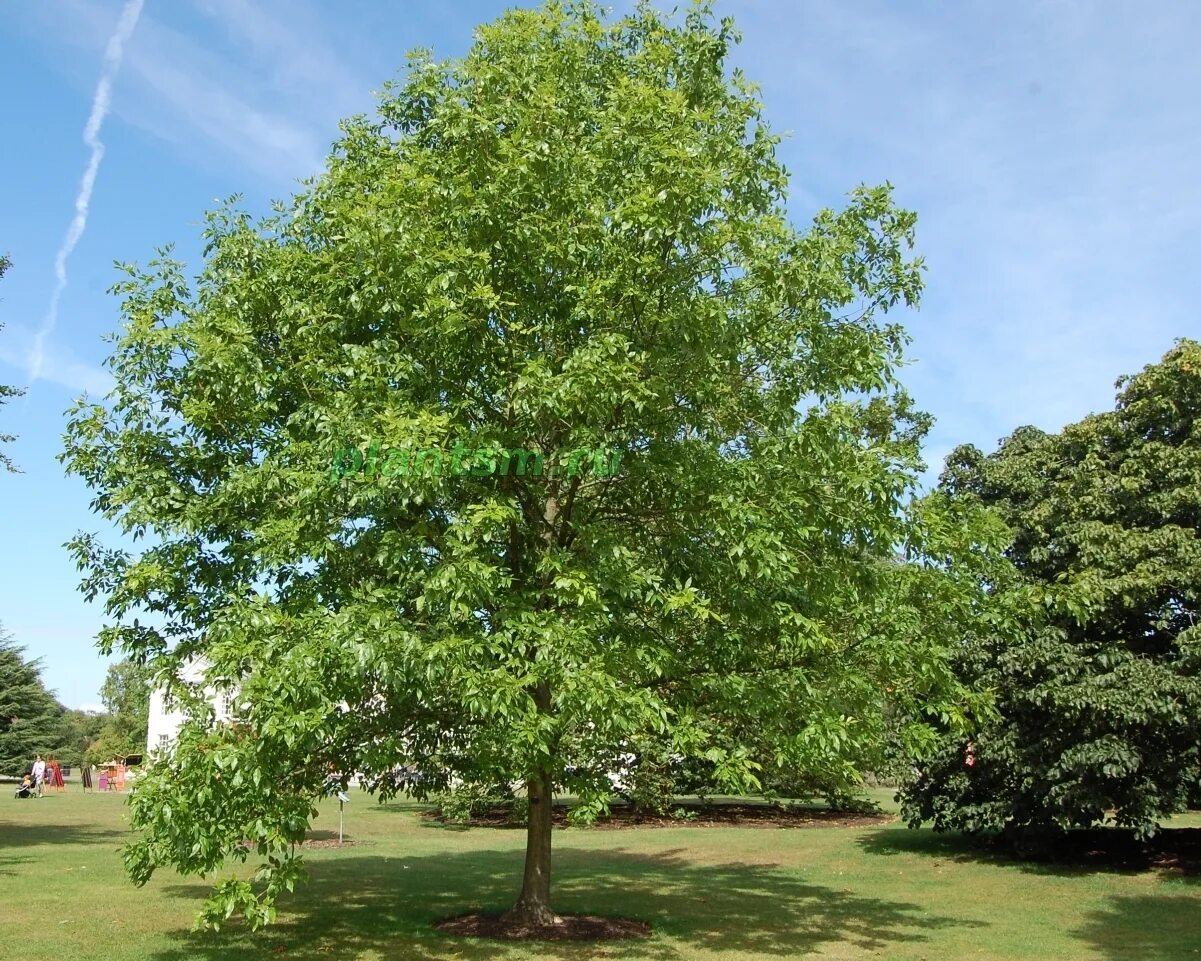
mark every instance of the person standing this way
{"type": "Point", "coordinates": [39, 774]}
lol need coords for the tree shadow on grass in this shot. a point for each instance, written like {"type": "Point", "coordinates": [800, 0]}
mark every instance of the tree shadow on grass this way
{"type": "Point", "coordinates": [16, 836]}
{"type": "Point", "coordinates": [1145, 928]}
{"type": "Point", "coordinates": [1173, 851]}
{"type": "Point", "coordinates": [387, 905]}
{"type": "Point", "coordinates": [26, 835]}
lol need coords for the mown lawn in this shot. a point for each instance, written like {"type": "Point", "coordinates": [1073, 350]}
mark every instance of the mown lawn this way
{"type": "Point", "coordinates": [711, 893]}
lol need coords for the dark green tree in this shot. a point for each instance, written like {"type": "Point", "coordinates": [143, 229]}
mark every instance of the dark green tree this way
{"type": "Point", "coordinates": [1099, 700]}
{"type": "Point", "coordinates": [6, 392]}
{"type": "Point", "coordinates": [576, 237]}
{"type": "Point", "coordinates": [30, 717]}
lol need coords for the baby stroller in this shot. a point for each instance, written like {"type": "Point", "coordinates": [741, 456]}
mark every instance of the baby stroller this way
{"type": "Point", "coordinates": [25, 788]}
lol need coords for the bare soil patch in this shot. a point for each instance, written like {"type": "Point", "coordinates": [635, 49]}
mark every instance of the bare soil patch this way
{"type": "Point", "coordinates": [571, 927]}
{"type": "Point", "coordinates": [330, 843]}
{"type": "Point", "coordinates": [316, 840]}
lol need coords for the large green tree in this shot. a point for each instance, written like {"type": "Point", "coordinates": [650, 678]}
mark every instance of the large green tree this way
{"type": "Point", "coordinates": [575, 237]}
{"type": "Point", "coordinates": [1098, 702]}
{"type": "Point", "coordinates": [30, 717]}
{"type": "Point", "coordinates": [6, 392]}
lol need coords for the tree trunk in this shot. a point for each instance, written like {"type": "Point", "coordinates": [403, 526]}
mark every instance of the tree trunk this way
{"type": "Point", "coordinates": [533, 906]}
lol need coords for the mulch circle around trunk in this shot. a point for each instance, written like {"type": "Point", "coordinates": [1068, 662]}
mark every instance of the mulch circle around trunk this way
{"type": "Point", "coordinates": [329, 843]}
{"type": "Point", "coordinates": [571, 927]}
{"type": "Point", "coordinates": [718, 815]}
{"type": "Point", "coordinates": [313, 842]}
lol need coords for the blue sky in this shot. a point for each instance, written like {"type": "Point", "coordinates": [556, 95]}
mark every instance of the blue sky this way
{"type": "Point", "coordinates": [1051, 150]}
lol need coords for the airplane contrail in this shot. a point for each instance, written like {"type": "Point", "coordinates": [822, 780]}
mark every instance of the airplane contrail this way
{"type": "Point", "coordinates": [91, 137]}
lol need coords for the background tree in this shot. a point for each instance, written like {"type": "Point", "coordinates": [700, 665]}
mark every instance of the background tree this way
{"type": "Point", "coordinates": [78, 732]}
{"type": "Point", "coordinates": [6, 392]}
{"type": "Point", "coordinates": [1099, 703]}
{"type": "Point", "coordinates": [30, 717]}
{"type": "Point", "coordinates": [125, 694]}
{"type": "Point", "coordinates": [574, 237]}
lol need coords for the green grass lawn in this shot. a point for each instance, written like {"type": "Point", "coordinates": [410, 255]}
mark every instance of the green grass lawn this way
{"type": "Point", "coordinates": [710, 893]}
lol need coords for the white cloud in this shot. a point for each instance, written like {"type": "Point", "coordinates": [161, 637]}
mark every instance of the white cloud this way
{"type": "Point", "coordinates": [58, 365]}
{"type": "Point", "coordinates": [290, 45]}
{"type": "Point", "coordinates": [270, 101]}
{"type": "Point", "coordinates": [1050, 151]}
{"type": "Point", "coordinates": [180, 100]}
{"type": "Point", "coordinates": [266, 90]}
{"type": "Point", "coordinates": [91, 137]}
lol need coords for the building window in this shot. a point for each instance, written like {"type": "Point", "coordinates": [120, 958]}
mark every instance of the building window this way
{"type": "Point", "coordinates": [227, 705]}
{"type": "Point", "coordinates": [163, 740]}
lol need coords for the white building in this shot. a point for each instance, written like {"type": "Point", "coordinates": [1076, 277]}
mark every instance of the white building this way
{"type": "Point", "coordinates": [163, 724]}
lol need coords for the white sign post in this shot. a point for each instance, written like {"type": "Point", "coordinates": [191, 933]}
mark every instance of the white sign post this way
{"type": "Point", "coordinates": [343, 798]}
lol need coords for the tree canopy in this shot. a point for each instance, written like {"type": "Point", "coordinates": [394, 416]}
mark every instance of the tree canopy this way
{"type": "Point", "coordinates": [575, 237]}
{"type": "Point", "coordinates": [1098, 710]}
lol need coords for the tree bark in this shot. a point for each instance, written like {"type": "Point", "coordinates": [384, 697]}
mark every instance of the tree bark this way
{"type": "Point", "coordinates": [533, 906]}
